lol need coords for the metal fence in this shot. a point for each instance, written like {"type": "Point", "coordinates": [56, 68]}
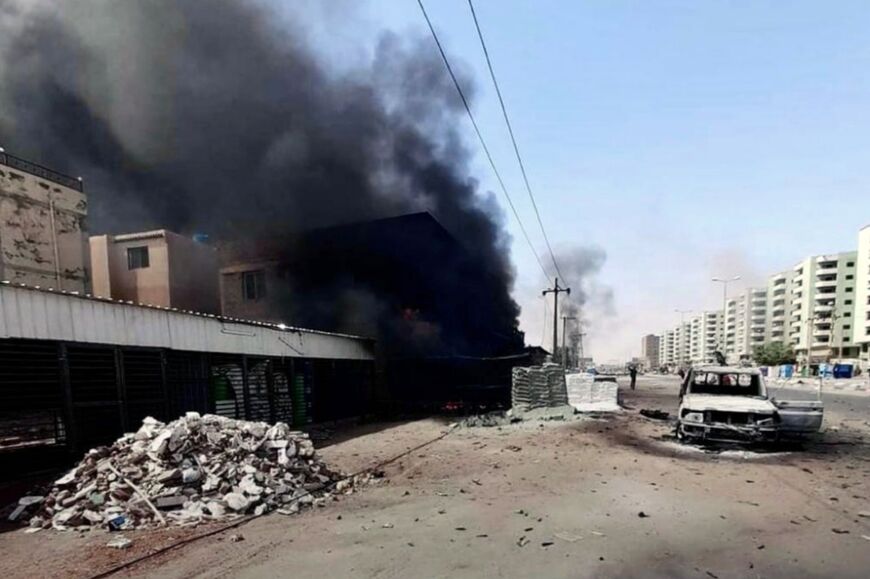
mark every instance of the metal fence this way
{"type": "Point", "coordinates": [40, 171]}
{"type": "Point", "coordinates": [57, 399]}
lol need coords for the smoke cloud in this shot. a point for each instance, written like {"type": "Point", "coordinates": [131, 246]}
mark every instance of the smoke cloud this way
{"type": "Point", "coordinates": [590, 302]}
{"type": "Point", "coordinates": [220, 117]}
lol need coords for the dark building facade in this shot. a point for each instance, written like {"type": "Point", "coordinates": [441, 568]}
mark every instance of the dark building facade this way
{"type": "Point", "coordinates": [405, 280]}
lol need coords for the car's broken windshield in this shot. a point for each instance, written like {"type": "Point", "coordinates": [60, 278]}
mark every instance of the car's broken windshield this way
{"type": "Point", "coordinates": [726, 384]}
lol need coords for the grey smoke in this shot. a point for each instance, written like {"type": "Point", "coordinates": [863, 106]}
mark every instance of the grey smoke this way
{"type": "Point", "coordinates": [591, 301]}
{"type": "Point", "coordinates": [218, 116]}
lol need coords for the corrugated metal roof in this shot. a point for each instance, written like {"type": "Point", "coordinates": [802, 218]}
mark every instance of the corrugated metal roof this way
{"type": "Point", "coordinates": [43, 313]}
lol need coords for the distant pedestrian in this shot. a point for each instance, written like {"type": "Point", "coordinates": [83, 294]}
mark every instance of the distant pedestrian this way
{"type": "Point", "coordinates": [632, 372]}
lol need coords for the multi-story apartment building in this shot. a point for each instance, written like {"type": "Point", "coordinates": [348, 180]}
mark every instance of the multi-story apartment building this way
{"type": "Point", "coordinates": [666, 349]}
{"type": "Point", "coordinates": [705, 334]}
{"type": "Point", "coordinates": [779, 308]}
{"type": "Point", "coordinates": [736, 325]}
{"type": "Point", "coordinates": [745, 318]}
{"type": "Point", "coordinates": [682, 343]}
{"type": "Point", "coordinates": [43, 232]}
{"type": "Point", "coordinates": [823, 307]}
{"type": "Point", "coordinates": [649, 346]}
{"type": "Point", "coordinates": [820, 307]}
{"type": "Point", "coordinates": [861, 316]}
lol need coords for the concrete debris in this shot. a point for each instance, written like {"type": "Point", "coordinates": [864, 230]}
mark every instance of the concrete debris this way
{"type": "Point", "coordinates": [538, 387]}
{"type": "Point", "coordinates": [24, 504]}
{"type": "Point", "coordinates": [192, 470]}
{"type": "Point", "coordinates": [119, 542]}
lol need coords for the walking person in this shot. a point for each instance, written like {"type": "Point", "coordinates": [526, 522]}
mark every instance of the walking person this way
{"type": "Point", "coordinates": [632, 372]}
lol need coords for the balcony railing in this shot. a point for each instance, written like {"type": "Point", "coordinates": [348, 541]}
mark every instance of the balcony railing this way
{"type": "Point", "coordinates": [40, 171]}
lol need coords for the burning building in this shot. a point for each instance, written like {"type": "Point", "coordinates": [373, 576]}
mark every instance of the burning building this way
{"type": "Point", "coordinates": [173, 128]}
{"type": "Point", "coordinates": [406, 280]}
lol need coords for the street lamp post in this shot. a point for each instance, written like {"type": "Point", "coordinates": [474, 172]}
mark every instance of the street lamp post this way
{"type": "Point", "coordinates": [725, 282]}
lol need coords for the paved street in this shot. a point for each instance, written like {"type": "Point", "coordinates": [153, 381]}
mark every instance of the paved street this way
{"type": "Point", "coordinates": [614, 497]}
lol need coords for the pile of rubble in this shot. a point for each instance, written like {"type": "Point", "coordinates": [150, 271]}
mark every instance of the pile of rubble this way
{"type": "Point", "coordinates": [194, 469]}
{"type": "Point", "coordinates": [538, 387]}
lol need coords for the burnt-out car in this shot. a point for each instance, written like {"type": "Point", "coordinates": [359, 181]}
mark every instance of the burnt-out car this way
{"type": "Point", "coordinates": [725, 404]}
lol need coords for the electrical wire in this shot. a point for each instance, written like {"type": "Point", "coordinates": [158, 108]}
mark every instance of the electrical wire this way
{"type": "Point", "coordinates": [482, 141]}
{"type": "Point", "coordinates": [513, 139]}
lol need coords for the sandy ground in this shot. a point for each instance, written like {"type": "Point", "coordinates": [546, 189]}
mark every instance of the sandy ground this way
{"type": "Point", "coordinates": [561, 499]}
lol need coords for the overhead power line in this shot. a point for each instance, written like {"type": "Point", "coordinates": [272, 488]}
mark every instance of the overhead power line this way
{"type": "Point", "coordinates": [513, 139]}
{"type": "Point", "coordinates": [481, 139]}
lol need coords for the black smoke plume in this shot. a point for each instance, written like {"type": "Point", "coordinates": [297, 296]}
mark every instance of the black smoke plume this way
{"type": "Point", "coordinates": [219, 117]}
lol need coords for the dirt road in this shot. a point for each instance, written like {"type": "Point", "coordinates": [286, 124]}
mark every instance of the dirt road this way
{"type": "Point", "coordinates": [589, 498]}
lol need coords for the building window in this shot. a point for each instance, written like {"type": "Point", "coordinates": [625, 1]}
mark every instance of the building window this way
{"type": "Point", "coordinates": [137, 257]}
{"type": "Point", "coordinates": [848, 302]}
{"type": "Point", "coordinates": [848, 314]}
{"type": "Point", "coordinates": [850, 264]}
{"type": "Point", "coordinates": [847, 327]}
{"type": "Point", "coordinates": [848, 289]}
{"type": "Point", "coordinates": [253, 284]}
{"type": "Point", "coordinates": [850, 277]}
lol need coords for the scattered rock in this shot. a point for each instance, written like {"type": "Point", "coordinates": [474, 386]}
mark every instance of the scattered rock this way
{"type": "Point", "coordinates": [236, 538]}
{"type": "Point", "coordinates": [191, 470]}
{"type": "Point", "coordinates": [119, 542]}
{"type": "Point", "coordinates": [840, 531]}
{"type": "Point", "coordinates": [642, 515]}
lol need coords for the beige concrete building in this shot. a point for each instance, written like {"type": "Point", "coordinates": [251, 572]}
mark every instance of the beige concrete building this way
{"type": "Point", "coordinates": [43, 230]}
{"type": "Point", "coordinates": [666, 349]}
{"type": "Point", "coordinates": [823, 307]}
{"type": "Point", "coordinates": [779, 307]}
{"type": "Point", "coordinates": [674, 346]}
{"type": "Point", "coordinates": [649, 350]}
{"type": "Point", "coordinates": [705, 333]}
{"type": "Point", "coordinates": [745, 318]}
{"type": "Point", "coordinates": [861, 323]}
{"type": "Point", "coordinates": [159, 268]}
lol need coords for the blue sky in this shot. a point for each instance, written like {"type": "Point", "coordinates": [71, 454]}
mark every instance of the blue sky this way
{"type": "Point", "coordinates": [685, 138]}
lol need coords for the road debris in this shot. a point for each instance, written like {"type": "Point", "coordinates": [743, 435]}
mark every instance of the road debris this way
{"type": "Point", "coordinates": [236, 538]}
{"type": "Point", "coordinates": [655, 413]}
{"type": "Point", "coordinates": [840, 531]}
{"type": "Point", "coordinates": [191, 470]}
{"type": "Point", "coordinates": [119, 542]}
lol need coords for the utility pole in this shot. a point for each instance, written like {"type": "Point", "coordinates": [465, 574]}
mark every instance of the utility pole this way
{"type": "Point", "coordinates": [556, 290]}
{"type": "Point", "coordinates": [564, 334]}
{"type": "Point", "coordinates": [580, 354]}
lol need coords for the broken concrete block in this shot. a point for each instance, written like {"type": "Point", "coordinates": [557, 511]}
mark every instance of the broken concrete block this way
{"type": "Point", "coordinates": [170, 502]}
{"type": "Point", "coordinates": [236, 501]}
{"type": "Point", "coordinates": [119, 542]}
